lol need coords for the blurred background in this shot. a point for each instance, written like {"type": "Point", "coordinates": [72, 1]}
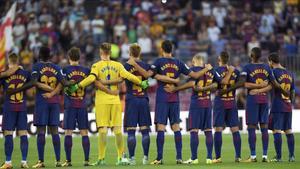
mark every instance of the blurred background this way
{"type": "Point", "coordinates": [195, 26]}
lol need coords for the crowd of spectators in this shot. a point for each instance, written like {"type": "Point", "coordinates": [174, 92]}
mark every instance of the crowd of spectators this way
{"type": "Point", "coordinates": [195, 26]}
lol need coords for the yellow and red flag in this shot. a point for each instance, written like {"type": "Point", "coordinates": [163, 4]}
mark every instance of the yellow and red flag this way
{"type": "Point", "coordinates": [6, 35]}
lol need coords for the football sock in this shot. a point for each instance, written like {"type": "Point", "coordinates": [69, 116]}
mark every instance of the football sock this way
{"type": "Point", "coordinates": [68, 146]}
{"type": "Point", "coordinates": [160, 140]}
{"type": "Point", "coordinates": [119, 144]}
{"type": "Point", "coordinates": [41, 145]}
{"type": "Point", "coordinates": [131, 142]}
{"type": "Point", "coordinates": [209, 143]}
{"type": "Point", "coordinates": [265, 140]}
{"type": "Point", "coordinates": [218, 143]}
{"type": "Point", "coordinates": [178, 144]}
{"type": "Point", "coordinates": [194, 142]}
{"type": "Point", "coordinates": [252, 141]}
{"type": "Point", "coordinates": [56, 145]}
{"type": "Point", "coordinates": [145, 141]}
{"type": "Point", "coordinates": [278, 144]}
{"type": "Point", "coordinates": [237, 144]}
{"type": "Point", "coordinates": [85, 141]}
{"type": "Point", "coordinates": [24, 147]}
{"type": "Point", "coordinates": [291, 144]}
{"type": "Point", "coordinates": [8, 146]}
{"type": "Point", "coordinates": [102, 145]}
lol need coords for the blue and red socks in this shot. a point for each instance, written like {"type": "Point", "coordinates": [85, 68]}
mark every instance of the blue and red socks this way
{"type": "Point", "coordinates": [131, 142]}
{"type": "Point", "coordinates": [209, 143]}
{"type": "Point", "coordinates": [68, 146]}
{"type": "Point", "coordinates": [252, 141]}
{"type": "Point", "coordinates": [291, 143]}
{"type": "Point", "coordinates": [237, 143]}
{"type": "Point", "coordinates": [265, 140]}
{"type": "Point", "coordinates": [85, 141]}
{"type": "Point", "coordinates": [41, 145]}
{"type": "Point", "coordinates": [145, 141]}
{"type": "Point", "coordinates": [9, 147]}
{"type": "Point", "coordinates": [278, 144]}
{"type": "Point", "coordinates": [194, 142]}
{"type": "Point", "coordinates": [218, 143]}
{"type": "Point", "coordinates": [178, 144]}
{"type": "Point", "coordinates": [160, 140]}
{"type": "Point", "coordinates": [56, 145]}
{"type": "Point", "coordinates": [24, 147]}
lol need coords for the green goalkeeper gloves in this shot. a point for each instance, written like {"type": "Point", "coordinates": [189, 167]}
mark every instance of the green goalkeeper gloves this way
{"type": "Point", "coordinates": [144, 84]}
{"type": "Point", "coordinates": [71, 89]}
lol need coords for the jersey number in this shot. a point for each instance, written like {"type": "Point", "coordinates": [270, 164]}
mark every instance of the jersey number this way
{"type": "Point", "coordinates": [50, 81]}
{"type": "Point", "coordinates": [229, 94]}
{"type": "Point", "coordinates": [136, 87]}
{"type": "Point", "coordinates": [201, 84]}
{"type": "Point", "coordinates": [18, 96]}
{"type": "Point", "coordinates": [286, 87]}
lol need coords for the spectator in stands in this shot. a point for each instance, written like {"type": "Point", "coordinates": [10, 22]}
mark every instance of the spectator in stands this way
{"type": "Point", "coordinates": [273, 45]}
{"type": "Point", "coordinates": [98, 29]}
{"type": "Point", "coordinates": [265, 30]}
{"type": "Point", "coordinates": [213, 31]}
{"type": "Point", "coordinates": [119, 29]}
{"type": "Point", "coordinates": [253, 43]}
{"type": "Point", "coordinates": [219, 12]}
{"type": "Point", "coordinates": [146, 45]}
{"type": "Point", "coordinates": [203, 41]}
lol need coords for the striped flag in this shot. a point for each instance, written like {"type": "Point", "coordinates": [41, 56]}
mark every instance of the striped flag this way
{"type": "Point", "coordinates": [6, 36]}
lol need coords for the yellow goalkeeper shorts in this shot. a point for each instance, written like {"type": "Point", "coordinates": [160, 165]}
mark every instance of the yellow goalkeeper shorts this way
{"type": "Point", "coordinates": [108, 115]}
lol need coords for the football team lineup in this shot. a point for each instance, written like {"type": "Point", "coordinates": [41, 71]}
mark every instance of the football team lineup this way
{"type": "Point", "coordinates": [206, 115]}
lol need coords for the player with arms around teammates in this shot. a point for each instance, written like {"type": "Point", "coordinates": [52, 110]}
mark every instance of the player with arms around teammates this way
{"type": "Point", "coordinates": [75, 108]}
{"type": "Point", "coordinates": [15, 111]}
{"type": "Point", "coordinates": [167, 104]}
{"type": "Point", "coordinates": [108, 106]}
{"type": "Point", "coordinates": [200, 115]}
{"type": "Point", "coordinates": [281, 111]}
{"type": "Point", "coordinates": [137, 110]}
{"type": "Point", "coordinates": [256, 75]}
{"type": "Point", "coordinates": [225, 111]}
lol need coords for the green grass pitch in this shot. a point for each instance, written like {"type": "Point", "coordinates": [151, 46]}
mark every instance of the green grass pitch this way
{"type": "Point", "coordinates": [169, 154]}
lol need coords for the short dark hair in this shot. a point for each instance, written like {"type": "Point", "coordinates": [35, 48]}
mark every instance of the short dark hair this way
{"type": "Point", "coordinates": [74, 54]}
{"type": "Point", "coordinates": [167, 46]}
{"type": "Point", "coordinates": [106, 47]}
{"type": "Point", "coordinates": [224, 57]}
{"type": "Point", "coordinates": [274, 57]}
{"type": "Point", "coordinates": [13, 58]}
{"type": "Point", "coordinates": [44, 53]}
{"type": "Point", "coordinates": [256, 53]}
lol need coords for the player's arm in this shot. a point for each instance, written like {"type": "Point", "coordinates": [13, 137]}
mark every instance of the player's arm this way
{"type": "Point", "coordinates": [145, 73]}
{"type": "Point", "coordinates": [211, 87]}
{"type": "Point", "coordinates": [172, 89]}
{"type": "Point", "coordinates": [261, 90]}
{"type": "Point", "coordinates": [250, 85]}
{"type": "Point", "coordinates": [9, 71]}
{"type": "Point", "coordinates": [102, 87]}
{"type": "Point", "coordinates": [278, 86]}
{"type": "Point", "coordinates": [112, 82]}
{"type": "Point", "coordinates": [197, 75]}
{"type": "Point", "coordinates": [226, 79]}
{"type": "Point", "coordinates": [44, 87]}
{"type": "Point", "coordinates": [127, 75]}
{"type": "Point", "coordinates": [26, 86]}
{"type": "Point", "coordinates": [166, 79]}
{"type": "Point", "coordinates": [53, 92]}
{"type": "Point", "coordinates": [240, 83]}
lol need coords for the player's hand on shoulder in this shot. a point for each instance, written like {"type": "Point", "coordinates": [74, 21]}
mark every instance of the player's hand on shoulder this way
{"type": "Point", "coordinates": [114, 92]}
{"type": "Point", "coordinates": [208, 66]}
{"type": "Point", "coordinates": [231, 68]}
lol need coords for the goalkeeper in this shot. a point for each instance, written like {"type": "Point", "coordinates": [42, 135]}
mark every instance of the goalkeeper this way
{"type": "Point", "coordinates": [108, 106]}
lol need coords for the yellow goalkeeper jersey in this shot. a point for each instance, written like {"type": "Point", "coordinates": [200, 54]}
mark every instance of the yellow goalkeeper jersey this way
{"type": "Point", "coordinates": [108, 70]}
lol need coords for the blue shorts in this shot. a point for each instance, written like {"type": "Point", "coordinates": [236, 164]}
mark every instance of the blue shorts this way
{"type": "Point", "coordinates": [199, 118]}
{"type": "Point", "coordinates": [165, 111]}
{"type": "Point", "coordinates": [46, 114]}
{"type": "Point", "coordinates": [73, 116]}
{"type": "Point", "coordinates": [280, 121]}
{"type": "Point", "coordinates": [14, 120]}
{"type": "Point", "coordinates": [256, 112]}
{"type": "Point", "coordinates": [137, 112]}
{"type": "Point", "coordinates": [225, 117]}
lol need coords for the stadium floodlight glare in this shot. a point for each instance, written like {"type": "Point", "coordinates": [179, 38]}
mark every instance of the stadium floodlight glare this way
{"type": "Point", "coordinates": [164, 1]}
